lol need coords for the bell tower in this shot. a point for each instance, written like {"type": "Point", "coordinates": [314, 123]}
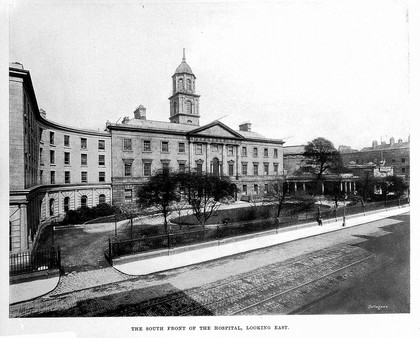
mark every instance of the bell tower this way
{"type": "Point", "coordinates": [184, 102]}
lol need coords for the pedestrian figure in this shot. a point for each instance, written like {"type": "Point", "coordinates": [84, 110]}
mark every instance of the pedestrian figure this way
{"type": "Point", "coordinates": [319, 220]}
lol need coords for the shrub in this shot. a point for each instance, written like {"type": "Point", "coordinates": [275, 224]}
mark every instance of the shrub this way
{"type": "Point", "coordinates": [84, 214]}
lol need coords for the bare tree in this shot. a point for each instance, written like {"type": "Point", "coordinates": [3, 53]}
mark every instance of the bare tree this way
{"type": "Point", "coordinates": [160, 192]}
{"type": "Point", "coordinates": [205, 193]}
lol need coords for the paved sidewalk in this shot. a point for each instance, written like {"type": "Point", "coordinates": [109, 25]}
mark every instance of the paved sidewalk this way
{"type": "Point", "coordinates": [162, 263]}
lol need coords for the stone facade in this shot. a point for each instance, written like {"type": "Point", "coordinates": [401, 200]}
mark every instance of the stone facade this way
{"type": "Point", "coordinates": [393, 154]}
{"type": "Point", "coordinates": [55, 168]}
{"type": "Point", "coordinates": [47, 176]}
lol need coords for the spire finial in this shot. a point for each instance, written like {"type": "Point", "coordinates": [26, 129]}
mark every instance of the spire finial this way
{"type": "Point", "coordinates": [183, 54]}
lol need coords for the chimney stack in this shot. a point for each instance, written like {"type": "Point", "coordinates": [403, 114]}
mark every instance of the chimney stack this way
{"type": "Point", "coordinates": [391, 141]}
{"type": "Point", "coordinates": [140, 113]}
{"type": "Point", "coordinates": [374, 144]}
{"type": "Point", "coordinates": [245, 126]}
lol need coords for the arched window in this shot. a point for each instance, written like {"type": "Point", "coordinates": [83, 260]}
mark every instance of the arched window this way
{"type": "Point", "coordinates": [215, 166]}
{"type": "Point", "coordinates": [51, 206]}
{"type": "Point", "coordinates": [102, 198]}
{"type": "Point", "coordinates": [66, 204]}
{"type": "Point", "coordinates": [175, 108]}
{"type": "Point", "coordinates": [189, 121]}
{"type": "Point", "coordinates": [83, 201]}
{"type": "Point", "coordinates": [189, 85]}
{"type": "Point", "coordinates": [180, 84]}
{"type": "Point", "coordinates": [189, 107]}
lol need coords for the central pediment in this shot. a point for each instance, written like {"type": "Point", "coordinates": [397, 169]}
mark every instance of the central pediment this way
{"type": "Point", "coordinates": [215, 129]}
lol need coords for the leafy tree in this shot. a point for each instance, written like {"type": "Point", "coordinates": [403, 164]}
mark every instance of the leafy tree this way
{"type": "Point", "coordinates": [366, 185]}
{"type": "Point", "coordinates": [205, 193]}
{"type": "Point", "coordinates": [393, 185]}
{"type": "Point", "coordinates": [321, 156]}
{"type": "Point", "coordinates": [160, 192]}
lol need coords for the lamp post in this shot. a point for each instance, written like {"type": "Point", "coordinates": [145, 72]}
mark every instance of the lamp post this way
{"type": "Point", "coordinates": [115, 221]}
{"type": "Point", "coordinates": [344, 211]}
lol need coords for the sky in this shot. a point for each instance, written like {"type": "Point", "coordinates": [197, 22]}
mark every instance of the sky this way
{"type": "Point", "coordinates": [296, 70]}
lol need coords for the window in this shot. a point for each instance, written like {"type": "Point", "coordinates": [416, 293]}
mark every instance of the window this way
{"type": "Point", "coordinates": [230, 150]}
{"type": "Point", "coordinates": [83, 201]}
{"type": "Point", "coordinates": [83, 159]}
{"type": "Point", "coordinates": [147, 145]}
{"type": "Point", "coordinates": [127, 169]}
{"type": "Point", "coordinates": [101, 160]}
{"type": "Point", "coordinates": [147, 169]}
{"type": "Point", "coordinates": [180, 84]}
{"type": "Point", "coordinates": [51, 206]}
{"type": "Point", "coordinates": [102, 198]}
{"type": "Point", "coordinates": [198, 149]}
{"type": "Point", "coordinates": [244, 169]}
{"type": "Point", "coordinates": [256, 188]}
{"type": "Point", "coordinates": [265, 188]}
{"type": "Point", "coordinates": [67, 177]}
{"type": "Point", "coordinates": [41, 172]}
{"type": "Point", "coordinates": [189, 107]}
{"type": "Point", "coordinates": [165, 164]}
{"type": "Point", "coordinates": [265, 152]}
{"type": "Point", "coordinates": [181, 167]}
{"type": "Point", "coordinates": [255, 152]}
{"type": "Point", "coordinates": [214, 147]}
{"type": "Point", "coordinates": [127, 144]}
{"type": "Point", "coordinates": [276, 168]}
{"type": "Point", "coordinates": [66, 158]}
{"type": "Point", "coordinates": [66, 204]}
{"type": "Point", "coordinates": [403, 160]}
{"type": "Point", "coordinates": [41, 156]}
{"type": "Point", "coordinates": [52, 156]}
{"type": "Point", "coordinates": [83, 177]}
{"type": "Point", "coordinates": [102, 176]}
{"type": "Point", "coordinates": [101, 144]}
{"type": "Point", "coordinates": [128, 195]}
{"type": "Point", "coordinates": [199, 168]}
{"type": "Point", "coordinates": [52, 177]}
{"type": "Point", "coordinates": [265, 168]}
{"type": "Point", "coordinates": [255, 169]}
{"type": "Point", "coordinates": [66, 140]}
{"type": "Point", "coordinates": [244, 189]}
{"type": "Point", "coordinates": [276, 153]}
{"type": "Point", "coordinates": [230, 168]}
{"type": "Point", "coordinates": [189, 85]}
{"type": "Point", "coordinates": [51, 137]}
{"type": "Point", "coordinates": [83, 143]}
{"type": "Point", "coordinates": [403, 170]}
{"type": "Point", "coordinates": [165, 146]}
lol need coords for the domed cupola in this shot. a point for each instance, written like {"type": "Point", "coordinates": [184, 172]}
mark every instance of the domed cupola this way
{"type": "Point", "coordinates": [184, 100]}
{"type": "Point", "coordinates": [184, 68]}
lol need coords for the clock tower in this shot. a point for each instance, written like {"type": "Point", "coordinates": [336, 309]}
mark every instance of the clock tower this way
{"type": "Point", "coordinates": [184, 101]}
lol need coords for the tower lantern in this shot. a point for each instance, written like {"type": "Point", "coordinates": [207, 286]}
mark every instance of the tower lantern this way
{"type": "Point", "coordinates": [184, 102]}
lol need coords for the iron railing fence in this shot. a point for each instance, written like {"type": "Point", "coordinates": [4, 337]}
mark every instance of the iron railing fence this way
{"type": "Point", "coordinates": [28, 262]}
{"type": "Point", "coordinates": [118, 247]}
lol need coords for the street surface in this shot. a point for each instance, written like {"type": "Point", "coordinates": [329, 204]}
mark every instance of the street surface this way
{"type": "Point", "coordinates": [363, 269]}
